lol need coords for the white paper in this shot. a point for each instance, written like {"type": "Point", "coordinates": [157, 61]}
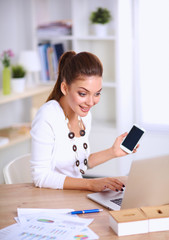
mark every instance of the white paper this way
{"type": "Point", "coordinates": [7, 230]}
{"type": "Point", "coordinates": [25, 214]}
{"type": "Point", "coordinates": [48, 224]}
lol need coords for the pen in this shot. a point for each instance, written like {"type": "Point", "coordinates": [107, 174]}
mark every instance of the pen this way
{"type": "Point", "coordinates": [86, 211]}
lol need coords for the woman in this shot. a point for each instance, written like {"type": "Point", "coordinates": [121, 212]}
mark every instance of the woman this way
{"type": "Point", "coordinates": [60, 130]}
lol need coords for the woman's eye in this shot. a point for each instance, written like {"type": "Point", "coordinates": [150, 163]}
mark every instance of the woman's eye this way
{"type": "Point", "coordinates": [98, 94]}
{"type": "Point", "coordinates": [82, 94]}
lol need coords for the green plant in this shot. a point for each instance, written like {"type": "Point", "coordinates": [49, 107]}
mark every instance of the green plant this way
{"type": "Point", "coordinates": [101, 15]}
{"type": "Point", "coordinates": [18, 71]}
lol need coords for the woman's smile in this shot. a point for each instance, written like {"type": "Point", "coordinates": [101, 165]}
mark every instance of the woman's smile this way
{"type": "Point", "coordinates": [85, 109]}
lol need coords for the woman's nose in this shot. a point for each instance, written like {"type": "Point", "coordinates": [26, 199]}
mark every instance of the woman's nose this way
{"type": "Point", "coordinates": [90, 101]}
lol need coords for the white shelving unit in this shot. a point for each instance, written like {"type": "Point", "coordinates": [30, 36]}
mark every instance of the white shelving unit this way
{"type": "Point", "coordinates": [30, 92]}
{"type": "Point", "coordinates": [38, 94]}
{"type": "Point", "coordinates": [82, 39]}
{"type": "Point", "coordinates": [113, 115]}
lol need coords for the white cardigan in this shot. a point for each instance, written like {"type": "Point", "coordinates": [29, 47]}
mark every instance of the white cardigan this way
{"type": "Point", "coordinates": [52, 155]}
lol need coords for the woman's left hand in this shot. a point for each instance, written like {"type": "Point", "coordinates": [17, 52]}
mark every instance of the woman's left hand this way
{"type": "Point", "coordinates": [117, 151]}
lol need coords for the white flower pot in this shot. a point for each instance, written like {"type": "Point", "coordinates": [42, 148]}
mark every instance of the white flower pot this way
{"type": "Point", "coordinates": [100, 30]}
{"type": "Point", "coordinates": [18, 85]}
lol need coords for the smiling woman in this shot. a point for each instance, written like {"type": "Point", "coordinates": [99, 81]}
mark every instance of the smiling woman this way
{"type": "Point", "coordinates": [60, 130]}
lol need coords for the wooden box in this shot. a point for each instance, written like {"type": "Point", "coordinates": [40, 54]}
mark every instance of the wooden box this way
{"type": "Point", "coordinates": [128, 222]}
{"type": "Point", "coordinates": [158, 217]}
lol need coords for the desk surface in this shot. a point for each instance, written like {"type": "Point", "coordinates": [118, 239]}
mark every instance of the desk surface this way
{"type": "Point", "coordinates": [15, 196]}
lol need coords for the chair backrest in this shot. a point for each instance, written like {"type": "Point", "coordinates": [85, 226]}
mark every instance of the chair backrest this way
{"type": "Point", "coordinates": [18, 170]}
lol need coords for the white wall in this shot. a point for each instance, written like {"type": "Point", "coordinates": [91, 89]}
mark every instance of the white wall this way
{"type": "Point", "coordinates": [15, 25]}
{"type": "Point", "coordinates": [15, 34]}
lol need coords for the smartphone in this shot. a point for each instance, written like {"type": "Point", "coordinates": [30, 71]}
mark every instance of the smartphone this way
{"type": "Point", "coordinates": [132, 139]}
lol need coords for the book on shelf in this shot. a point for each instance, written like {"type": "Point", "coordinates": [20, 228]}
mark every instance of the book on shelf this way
{"type": "Point", "coordinates": [49, 57]}
{"type": "Point", "coordinates": [52, 63]}
{"type": "Point", "coordinates": [42, 48]}
{"type": "Point", "coordinates": [59, 50]}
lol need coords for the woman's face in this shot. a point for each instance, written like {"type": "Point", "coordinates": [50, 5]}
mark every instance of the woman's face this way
{"type": "Point", "coordinates": [83, 94]}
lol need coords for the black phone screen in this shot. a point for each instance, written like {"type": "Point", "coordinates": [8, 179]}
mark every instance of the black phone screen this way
{"type": "Point", "coordinates": [132, 138]}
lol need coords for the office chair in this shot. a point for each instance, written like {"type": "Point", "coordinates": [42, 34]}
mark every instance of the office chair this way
{"type": "Point", "coordinates": [18, 170]}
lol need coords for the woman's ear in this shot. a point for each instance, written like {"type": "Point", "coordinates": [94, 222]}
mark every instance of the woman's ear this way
{"type": "Point", "coordinates": [64, 88]}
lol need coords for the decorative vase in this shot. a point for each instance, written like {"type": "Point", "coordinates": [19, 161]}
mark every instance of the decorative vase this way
{"type": "Point", "coordinates": [6, 80]}
{"type": "Point", "coordinates": [100, 30]}
{"type": "Point", "coordinates": [18, 85]}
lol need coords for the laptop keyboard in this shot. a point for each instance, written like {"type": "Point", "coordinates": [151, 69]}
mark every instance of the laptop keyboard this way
{"type": "Point", "coordinates": [117, 201]}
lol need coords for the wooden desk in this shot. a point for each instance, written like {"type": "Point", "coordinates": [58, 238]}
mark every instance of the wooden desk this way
{"type": "Point", "coordinates": [15, 196]}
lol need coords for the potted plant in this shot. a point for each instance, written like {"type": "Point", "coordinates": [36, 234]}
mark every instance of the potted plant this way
{"type": "Point", "coordinates": [18, 78]}
{"type": "Point", "coordinates": [100, 18]}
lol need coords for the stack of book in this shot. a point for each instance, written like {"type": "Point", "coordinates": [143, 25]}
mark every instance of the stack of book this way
{"type": "Point", "coordinates": [57, 28]}
{"type": "Point", "coordinates": [49, 57]}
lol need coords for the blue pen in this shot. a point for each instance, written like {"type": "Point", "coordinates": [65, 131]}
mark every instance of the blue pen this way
{"type": "Point", "coordinates": [86, 211]}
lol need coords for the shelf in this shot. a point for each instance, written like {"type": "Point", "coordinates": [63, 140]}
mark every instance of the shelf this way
{"type": "Point", "coordinates": [38, 89]}
{"type": "Point", "coordinates": [96, 38]}
{"type": "Point", "coordinates": [46, 37]}
{"type": "Point", "coordinates": [15, 134]}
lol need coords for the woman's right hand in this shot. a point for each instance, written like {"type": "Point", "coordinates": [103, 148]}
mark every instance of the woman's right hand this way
{"type": "Point", "coordinates": [100, 184]}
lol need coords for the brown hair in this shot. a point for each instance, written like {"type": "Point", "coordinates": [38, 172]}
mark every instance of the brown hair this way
{"type": "Point", "coordinates": [71, 66]}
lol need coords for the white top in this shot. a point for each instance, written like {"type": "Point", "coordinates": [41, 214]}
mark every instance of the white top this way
{"type": "Point", "coordinates": [52, 155]}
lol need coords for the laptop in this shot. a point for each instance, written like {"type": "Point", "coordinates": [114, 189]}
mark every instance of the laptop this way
{"type": "Point", "coordinates": [147, 185]}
